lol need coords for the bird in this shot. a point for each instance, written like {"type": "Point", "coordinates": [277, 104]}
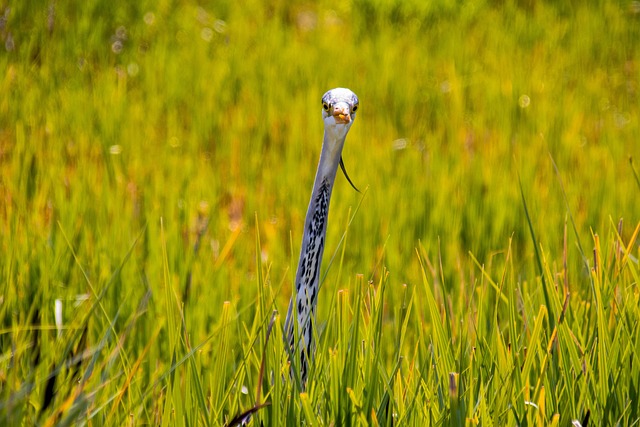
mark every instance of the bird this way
{"type": "Point", "coordinates": [339, 107]}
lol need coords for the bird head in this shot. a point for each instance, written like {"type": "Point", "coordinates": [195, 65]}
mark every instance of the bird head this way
{"type": "Point", "coordinates": [339, 108]}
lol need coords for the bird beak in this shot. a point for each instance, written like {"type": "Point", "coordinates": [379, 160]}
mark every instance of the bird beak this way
{"type": "Point", "coordinates": [344, 171]}
{"type": "Point", "coordinates": [342, 115]}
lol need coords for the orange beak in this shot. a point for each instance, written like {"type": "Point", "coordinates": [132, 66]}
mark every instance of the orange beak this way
{"type": "Point", "coordinates": [342, 116]}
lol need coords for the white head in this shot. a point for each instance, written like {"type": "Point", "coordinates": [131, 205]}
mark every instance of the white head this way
{"type": "Point", "coordinates": [339, 108]}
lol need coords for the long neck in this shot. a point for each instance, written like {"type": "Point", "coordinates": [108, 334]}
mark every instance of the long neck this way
{"type": "Point", "coordinates": [315, 228]}
{"type": "Point", "coordinates": [315, 224]}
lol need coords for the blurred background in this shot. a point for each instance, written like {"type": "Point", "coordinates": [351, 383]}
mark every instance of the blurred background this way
{"type": "Point", "coordinates": [135, 131]}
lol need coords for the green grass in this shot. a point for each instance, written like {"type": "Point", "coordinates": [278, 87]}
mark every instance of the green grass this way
{"type": "Point", "coordinates": [156, 160]}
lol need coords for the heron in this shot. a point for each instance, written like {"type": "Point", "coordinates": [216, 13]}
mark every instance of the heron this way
{"type": "Point", "coordinates": [339, 108]}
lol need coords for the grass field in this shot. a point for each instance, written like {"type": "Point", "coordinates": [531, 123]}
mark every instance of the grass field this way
{"type": "Point", "coordinates": [156, 160]}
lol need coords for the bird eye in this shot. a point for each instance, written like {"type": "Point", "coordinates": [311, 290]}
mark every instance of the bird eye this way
{"type": "Point", "coordinates": [325, 106]}
{"type": "Point", "coordinates": [354, 109]}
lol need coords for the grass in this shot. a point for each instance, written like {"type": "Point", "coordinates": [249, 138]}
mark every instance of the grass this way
{"type": "Point", "coordinates": [156, 160]}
